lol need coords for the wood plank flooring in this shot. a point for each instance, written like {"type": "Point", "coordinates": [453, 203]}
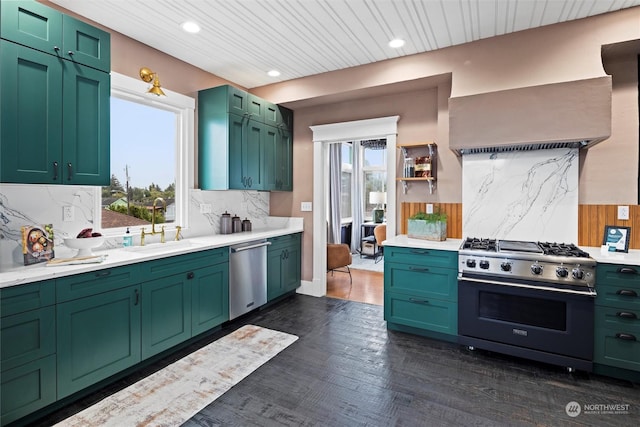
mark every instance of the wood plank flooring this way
{"type": "Point", "coordinates": [367, 286]}
{"type": "Point", "coordinates": [347, 369]}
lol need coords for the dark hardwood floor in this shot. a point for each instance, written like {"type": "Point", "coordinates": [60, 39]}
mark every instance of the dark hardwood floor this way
{"type": "Point", "coordinates": [347, 369]}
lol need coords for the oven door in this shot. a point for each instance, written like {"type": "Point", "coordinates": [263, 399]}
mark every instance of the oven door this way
{"type": "Point", "coordinates": [525, 317]}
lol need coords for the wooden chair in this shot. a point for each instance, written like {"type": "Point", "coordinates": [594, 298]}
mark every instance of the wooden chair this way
{"type": "Point", "coordinates": [380, 233]}
{"type": "Point", "coordinates": [339, 256]}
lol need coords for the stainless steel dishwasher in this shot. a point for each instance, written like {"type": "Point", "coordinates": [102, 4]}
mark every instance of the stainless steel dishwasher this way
{"type": "Point", "coordinates": [247, 277]}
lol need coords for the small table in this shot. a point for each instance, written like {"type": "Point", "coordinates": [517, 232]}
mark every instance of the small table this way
{"type": "Point", "coordinates": [368, 245]}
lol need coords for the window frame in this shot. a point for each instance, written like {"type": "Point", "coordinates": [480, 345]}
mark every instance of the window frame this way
{"type": "Point", "coordinates": [183, 106]}
{"type": "Point", "coordinates": [348, 168]}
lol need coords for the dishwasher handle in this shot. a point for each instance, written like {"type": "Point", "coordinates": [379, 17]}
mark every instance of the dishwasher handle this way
{"type": "Point", "coordinates": [246, 248]}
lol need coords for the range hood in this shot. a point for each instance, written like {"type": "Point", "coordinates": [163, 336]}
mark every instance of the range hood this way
{"type": "Point", "coordinates": [571, 114]}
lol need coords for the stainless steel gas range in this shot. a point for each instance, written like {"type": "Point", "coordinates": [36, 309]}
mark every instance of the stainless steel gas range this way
{"type": "Point", "coordinates": [527, 299]}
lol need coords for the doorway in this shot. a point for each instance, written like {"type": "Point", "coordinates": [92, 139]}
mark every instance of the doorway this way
{"type": "Point", "coordinates": [323, 135]}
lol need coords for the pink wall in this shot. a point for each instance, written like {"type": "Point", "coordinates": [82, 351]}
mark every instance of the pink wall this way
{"type": "Point", "coordinates": [414, 88]}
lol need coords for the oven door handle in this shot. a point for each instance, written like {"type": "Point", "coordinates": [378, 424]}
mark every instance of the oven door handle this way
{"type": "Point", "coordinates": [590, 292]}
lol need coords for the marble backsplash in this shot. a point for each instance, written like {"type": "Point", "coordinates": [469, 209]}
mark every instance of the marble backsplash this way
{"type": "Point", "coordinates": [43, 204]}
{"type": "Point", "coordinates": [521, 195]}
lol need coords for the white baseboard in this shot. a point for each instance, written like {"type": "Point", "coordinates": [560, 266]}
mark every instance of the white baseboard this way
{"type": "Point", "coordinates": [314, 289]}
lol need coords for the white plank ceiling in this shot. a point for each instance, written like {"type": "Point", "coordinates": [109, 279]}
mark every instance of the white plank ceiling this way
{"type": "Point", "coordinates": [243, 39]}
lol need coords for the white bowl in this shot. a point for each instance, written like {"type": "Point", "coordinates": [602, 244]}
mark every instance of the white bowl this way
{"type": "Point", "coordinates": [84, 245]}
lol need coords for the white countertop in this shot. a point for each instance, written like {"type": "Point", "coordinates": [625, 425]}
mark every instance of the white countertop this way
{"type": "Point", "coordinates": [124, 256]}
{"type": "Point", "coordinates": [631, 258]}
{"type": "Point", "coordinates": [406, 242]}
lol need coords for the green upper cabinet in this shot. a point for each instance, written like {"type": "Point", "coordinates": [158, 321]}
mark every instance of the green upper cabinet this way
{"type": "Point", "coordinates": [278, 158]}
{"type": "Point", "coordinates": [54, 110]}
{"type": "Point", "coordinates": [37, 26]}
{"type": "Point", "coordinates": [243, 142]}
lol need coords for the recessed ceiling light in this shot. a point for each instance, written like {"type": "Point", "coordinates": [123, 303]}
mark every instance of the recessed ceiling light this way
{"type": "Point", "coordinates": [190, 27]}
{"type": "Point", "coordinates": [396, 43]}
{"type": "Point", "coordinates": [273, 73]}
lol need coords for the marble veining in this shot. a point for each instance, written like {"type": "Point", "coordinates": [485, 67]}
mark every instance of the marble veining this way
{"type": "Point", "coordinates": [530, 195]}
{"type": "Point", "coordinates": [25, 204]}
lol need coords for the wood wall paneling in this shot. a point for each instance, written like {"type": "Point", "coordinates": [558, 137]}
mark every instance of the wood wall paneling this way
{"type": "Point", "coordinates": [453, 211]}
{"type": "Point", "coordinates": [591, 221]}
{"type": "Point", "coordinates": [593, 218]}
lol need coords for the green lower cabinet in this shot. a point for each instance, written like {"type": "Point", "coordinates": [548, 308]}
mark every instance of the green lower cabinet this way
{"type": "Point", "coordinates": [283, 266]}
{"type": "Point", "coordinates": [27, 388]}
{"type": "Point", "coordinates": [98, 336]}
{"type": "Point", "coordinates": [617, 347]}
{"type": "Point", "coordinates": [209, 298]}
{"type": "Point", "coordinates": [27, 336]}
{"type": "Point", "coordinates": [166, 313]}
{"type": "Point", "coordinates": [421, 290]}
{"type": "Point", "coordinates": [423, 313]}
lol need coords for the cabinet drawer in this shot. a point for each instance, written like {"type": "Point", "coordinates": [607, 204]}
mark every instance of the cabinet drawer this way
{"type": "Point", "coordinates": [418, 312]}
{"type": "Point", "coordinates": [279, 242]}
{"type": "Point", "coordinates": [432, 282]}
{"type": "Point", "coordinates": [183, 263]}
{"type": "Point", "coordinates": [96, 282]}
{"type": "Point", "coordinates": [20, 298]}
{"type": "Point", "coordinates": [27, 388]}
{"type": "Point", "coordinates": [626, 276]}
{"type": "Point", "coordinates": [27, 336]}
{"type": "Point", "coordinates": [612, 350]}
{"type": "Point", "coordinates": [425, 257]}
{"type": "Point", "coordinates": [618, 318]}
{"type": "Point", "coordinates": [618, 296]}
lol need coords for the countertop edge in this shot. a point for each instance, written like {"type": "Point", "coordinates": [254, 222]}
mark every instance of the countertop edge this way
{"type": "Point", "coordinates": [120, 257]}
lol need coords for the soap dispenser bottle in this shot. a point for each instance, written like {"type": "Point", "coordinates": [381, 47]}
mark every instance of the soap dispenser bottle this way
{"type": "Point", "coordinates": [127, 240]}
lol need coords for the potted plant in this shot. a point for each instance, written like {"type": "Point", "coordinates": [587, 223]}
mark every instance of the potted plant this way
{"type": "Point", "coordinates": [432, 226]}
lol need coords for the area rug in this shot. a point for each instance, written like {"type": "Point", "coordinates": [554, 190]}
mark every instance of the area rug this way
{"type": "Point", "coordinates": [174, 394]}
{"type": "Point", "coordinates": [366, 263]}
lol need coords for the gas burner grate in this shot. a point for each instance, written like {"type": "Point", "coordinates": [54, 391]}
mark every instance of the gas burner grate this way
{"type": "Point", "coordinates": [562, 249]}
{"type": "Point", "coordinates": [476, 244]}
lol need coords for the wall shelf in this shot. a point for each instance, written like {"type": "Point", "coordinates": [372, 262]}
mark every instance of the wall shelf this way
{"type": "Point", "coordinates": [430, 168]}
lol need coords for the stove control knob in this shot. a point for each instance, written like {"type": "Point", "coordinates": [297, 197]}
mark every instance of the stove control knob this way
{"type": "Point", "coordinates": [577, 274]}
{"type": "Point", "coordinates": [536, 269]}
{"type": "Point", "coordinates": [562, 272]}
{"type": "Point", "coordinates": [484, 264]}
{"type": "Point", "coordinates": [505, 266]}
{"type": "Point", "coordinates": [471, 263]}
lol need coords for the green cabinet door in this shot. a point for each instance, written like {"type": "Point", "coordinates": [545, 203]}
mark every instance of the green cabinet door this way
{"type": "Point", "coordinates": [98, 336]}
{"type": "Point", "coordinates": [31, 24]}
{"type": "Point", "coordinates": [253, 154]}
{"type": "Point", "coordinates": [237, 178]}
{"type": "Point", "coordinates": [86, 44]}
{"type": "Point", "coordinates": [283, 265]}
{"type": "Point", "coordinates": [246, 148]}
{"type": "Point", "coordinates": [166, 313]}
{"type": "Point", "coordinates": [31, 115]}
{"type": "Point", "coordinates": [86, 106]}
{"type": "Point", "coordinates": [27, 388]}
{"type": "Point", "coordinates": [209, 297]}
{"type": "Point", "coordinates": [291, 271]}
{"type": "Point", "coordinates": [27, 336]}
{"type": "Point", "coordinates": [278, 159]}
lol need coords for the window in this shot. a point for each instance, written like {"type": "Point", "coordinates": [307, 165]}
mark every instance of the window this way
{"type": "Point", "coordinates": [143, 165]}
{"type": "Point", "coordinates": [374, 176]}
{"type": "Point", "coordinates": [346, 180]}
{"type": "Point", "coordinates": [152, 142]}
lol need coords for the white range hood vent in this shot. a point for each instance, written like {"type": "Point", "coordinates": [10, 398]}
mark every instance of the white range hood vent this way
{"type": "Point", "coordinates": [573, 114]}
